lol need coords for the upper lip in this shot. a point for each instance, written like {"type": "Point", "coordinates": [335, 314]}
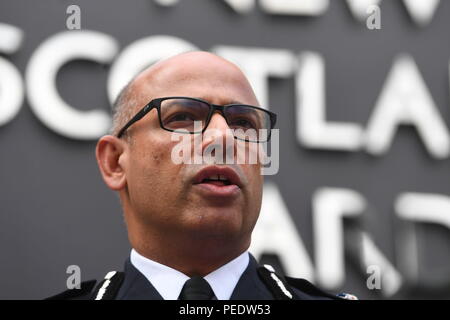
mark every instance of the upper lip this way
{"type": "Point", "coordinates": [229, 173]}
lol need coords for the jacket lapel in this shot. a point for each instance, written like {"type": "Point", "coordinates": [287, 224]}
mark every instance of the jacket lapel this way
{"type": "Point", "coordinates": [136, 286]}
{"type": "Point", "coordinates": [250, 286]}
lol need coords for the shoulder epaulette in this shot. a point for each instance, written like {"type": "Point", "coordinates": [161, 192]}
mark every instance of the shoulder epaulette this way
{"type": "Point", "coordinates": [276, 284]}
{"type": "Point", "coordinates": [308, 288]}
{"type": "Point", "coordinates": [109, 287]}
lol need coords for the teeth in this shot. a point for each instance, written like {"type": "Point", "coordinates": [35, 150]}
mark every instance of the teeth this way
{"type": "Point", "coordinates": [218, 177]}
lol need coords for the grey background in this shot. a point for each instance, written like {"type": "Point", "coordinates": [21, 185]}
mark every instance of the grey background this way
{"type": "Point", "coordinates": [55, 210]}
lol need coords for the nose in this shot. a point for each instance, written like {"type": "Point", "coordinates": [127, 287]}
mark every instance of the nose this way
{"type": "Point", "coordinates": [218, 122]}
{"type": "Point", "coordinates": [218, 138]}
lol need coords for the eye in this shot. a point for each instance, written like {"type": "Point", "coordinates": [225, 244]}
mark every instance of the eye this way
{"type": "Point", "coordinates": [181, 117]}
{"type": "Point", "coordinates": [242, 123]}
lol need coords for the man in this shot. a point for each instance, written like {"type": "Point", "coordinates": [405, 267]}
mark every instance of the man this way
{"type": "Point", "coordinates": [189, 224]}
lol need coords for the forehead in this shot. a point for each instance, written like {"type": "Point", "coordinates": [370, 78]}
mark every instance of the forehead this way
{"type": "Point", "coordinates": [196, 75]}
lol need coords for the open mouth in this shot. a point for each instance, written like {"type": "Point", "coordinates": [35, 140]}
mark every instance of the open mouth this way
{"type": "Point", "coordinates": [218, 182]}
{"type": "Point", "coordinates": [217, 179]}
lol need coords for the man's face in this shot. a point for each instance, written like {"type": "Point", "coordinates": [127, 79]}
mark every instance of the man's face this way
{"type": "Point", "coordinates": [167, 196]}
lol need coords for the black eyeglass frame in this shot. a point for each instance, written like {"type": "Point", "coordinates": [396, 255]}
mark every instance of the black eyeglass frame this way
{"type": "Point", "coordinates": [156, 103]}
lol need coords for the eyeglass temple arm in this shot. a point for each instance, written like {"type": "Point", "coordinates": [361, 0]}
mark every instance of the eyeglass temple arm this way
{"type": "Point", "coordinates": [273, 119]}
{"type": "Point", "coordinates": [137, 117]}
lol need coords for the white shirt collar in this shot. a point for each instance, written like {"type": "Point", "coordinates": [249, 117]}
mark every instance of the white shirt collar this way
{"type": "Point", "coordinates": [169, 282]}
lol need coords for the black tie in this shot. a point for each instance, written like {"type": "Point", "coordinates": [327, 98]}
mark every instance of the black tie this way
{"type": "Point", "coordinates": [196, 288]}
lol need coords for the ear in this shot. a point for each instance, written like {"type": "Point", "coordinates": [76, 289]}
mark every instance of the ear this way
{"type": "Point", "coordinates": [110, 154]}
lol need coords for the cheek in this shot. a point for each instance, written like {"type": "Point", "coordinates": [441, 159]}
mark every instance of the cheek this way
{"type": "Point", "coordinates": [256, 181]}
{"type": "Point", "coordinates": [255, 174]}
{"type": "Point", "coordinates": [141, 167]}
{"type": "Point", "coordinates": [153, 169]}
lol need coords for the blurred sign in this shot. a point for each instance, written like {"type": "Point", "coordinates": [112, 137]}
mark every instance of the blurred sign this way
{"type": "Point", "coordinates": [404, 98]}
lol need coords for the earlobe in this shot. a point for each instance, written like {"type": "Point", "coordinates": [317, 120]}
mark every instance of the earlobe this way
{"type": "Point", "coordinates": [109, 152]}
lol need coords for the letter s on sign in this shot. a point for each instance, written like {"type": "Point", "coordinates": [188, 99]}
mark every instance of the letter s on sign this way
{"type": "Point", "coordinates": [11, 85]}
{"type": "Point", "coordinates": [43, 96]}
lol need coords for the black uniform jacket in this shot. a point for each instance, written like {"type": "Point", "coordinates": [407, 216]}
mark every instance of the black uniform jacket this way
{"type": "Point", "coordinates": [256, 283]}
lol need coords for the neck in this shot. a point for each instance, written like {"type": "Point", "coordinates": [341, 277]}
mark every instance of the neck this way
{"type": "Point", "coordinates": [189, 254]}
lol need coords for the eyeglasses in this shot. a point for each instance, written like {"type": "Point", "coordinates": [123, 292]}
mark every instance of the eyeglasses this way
{"type": "Point", "coordinates": [192, 115]}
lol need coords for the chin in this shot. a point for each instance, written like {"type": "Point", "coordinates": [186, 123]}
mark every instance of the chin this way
{"type": "Point", "coordinates": [217, 221]}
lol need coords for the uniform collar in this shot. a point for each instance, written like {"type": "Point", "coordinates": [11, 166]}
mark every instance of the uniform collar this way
{"type": "Point", "coordinates": [169, 282]}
